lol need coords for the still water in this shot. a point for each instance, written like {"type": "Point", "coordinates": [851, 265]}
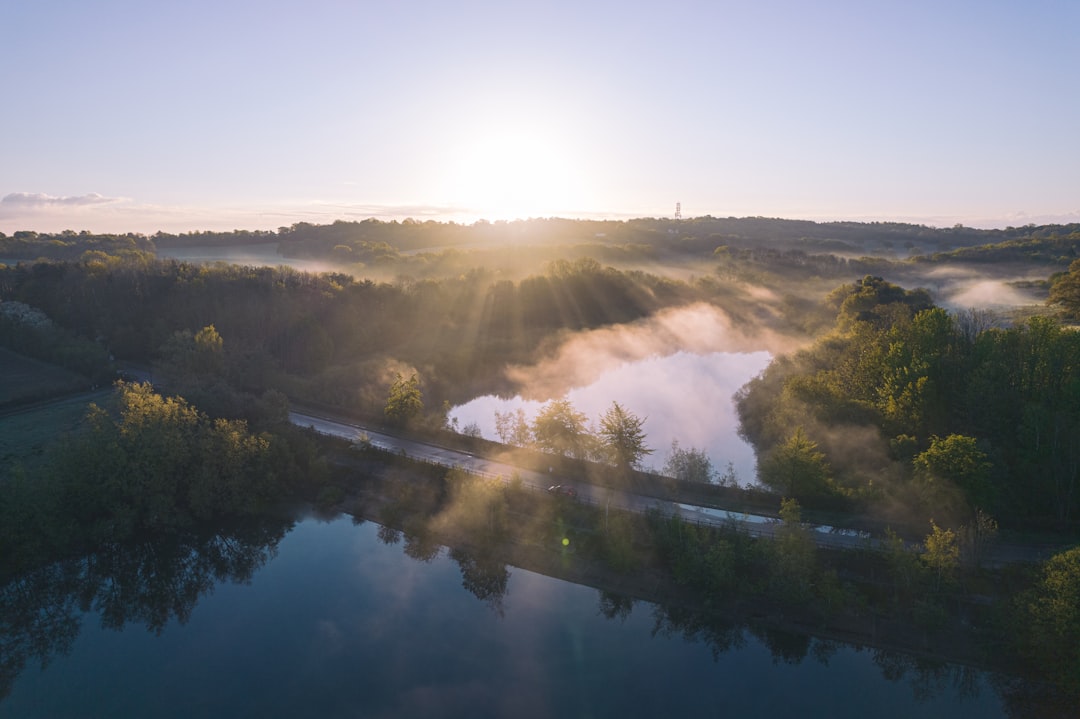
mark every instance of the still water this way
{"type": "Point", "coordinates": [684, 396]}
{"type": "Point", "coordinates": [341, 623]}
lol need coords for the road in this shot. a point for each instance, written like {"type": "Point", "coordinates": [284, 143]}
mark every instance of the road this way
{"type": "Point", "coordinates": [600, 496]}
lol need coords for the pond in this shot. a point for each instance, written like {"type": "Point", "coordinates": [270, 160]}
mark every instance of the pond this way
{"type": "Point", "coordinates": [339, 621]}
{"type": "Point", "coordinates": [684, 396]}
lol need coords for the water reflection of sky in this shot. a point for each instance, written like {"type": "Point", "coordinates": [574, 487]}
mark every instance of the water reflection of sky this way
{"type": "Point", "coordinates": [685, 397]}
{"type": "Point", "coordinates": [341, 625]}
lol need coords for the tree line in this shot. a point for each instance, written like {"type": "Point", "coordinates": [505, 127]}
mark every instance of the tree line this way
{"type": "Point", "coordinates": [903, 403]}
{"type": "Point", "coordinates": [333, 338]}
{"type": "Point", "coordinates": [145, 464]}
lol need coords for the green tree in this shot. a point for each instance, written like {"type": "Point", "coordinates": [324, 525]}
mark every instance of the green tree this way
{"type": "Point", "coordinates": [188, 356]}
{"type": "Point", "coordinates": [405, 402]}
{"type": "Point", "coordinates": [796, 468]}
{"type": "Point", "coordinates": [794, 555]}
{"type": "Point", "coordinates": [560, 429]}
{"type": "Point", "coordinates": [623, 437]}
{"type": "Point", "coordinates": [1049, 618]}
{"type": "Point", "coordinates": [512, 428]}
{"type": "Point", "coordinates": [209, 349]}
{"type": "Point", "coordinates": [957, 459]}
{"type": "Point", "coordinates": [1065, 292]}
{"type": "Point", "coordinates": [689, 465]}
{"type": "Point", "coordinates": [942, 553]}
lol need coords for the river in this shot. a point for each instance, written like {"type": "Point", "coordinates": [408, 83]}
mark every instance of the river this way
{"type": "Point", "coordinates": [340, 622]}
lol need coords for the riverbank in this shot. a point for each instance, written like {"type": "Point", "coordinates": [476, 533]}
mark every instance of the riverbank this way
{"type": "Point", "coordinates": [962, 634]}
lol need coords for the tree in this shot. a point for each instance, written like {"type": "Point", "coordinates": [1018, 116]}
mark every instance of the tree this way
{"type": "Point", "coordinates": [405, 401]}
{"type": "Point", "coordinates": [689, 465]}
{"type": "Point", "coordinates": [794, 555]}
{"type": "Point", "coordinates": [1049, 621]}
{"type": "Point", "coordinates": [208, 349]}
{"type": "Point", "coordinates": [560, 429]}
{"type": "Point", "coordinates": [942, 553]}
{"type": "Point", "coordinates": [512, 428]}
{"type": "Point", "coordinates": [187, 356]}
{"type": "Point", "coordinates": [796, 468]}
{"type": "Point", "coordinates": [623, 437]}
{"type": "Point", "coordinates": [1065, 292]}
{"type": "Point", "coordinates": [957, 459]}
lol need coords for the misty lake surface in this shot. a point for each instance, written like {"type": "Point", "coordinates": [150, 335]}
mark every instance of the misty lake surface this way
{"type": "Point", "coordinates": [683, 396]}
{"type": "Point", "coordinates": [342, 624]}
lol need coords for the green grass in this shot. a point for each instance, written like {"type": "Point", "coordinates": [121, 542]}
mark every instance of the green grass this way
{"type": "Point", "coordinates": [25, 436]}
{"type": "Point", "coordinates": [23, 378]}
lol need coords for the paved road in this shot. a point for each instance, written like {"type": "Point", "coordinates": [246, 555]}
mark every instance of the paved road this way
{"type": "Point", "coordinates": [600, 496]}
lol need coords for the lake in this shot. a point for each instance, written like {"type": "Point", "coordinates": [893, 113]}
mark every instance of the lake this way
{"type": "Point", "coordinates": [339, 623]}
{"type": "Point", "coordinates": [684, 396]}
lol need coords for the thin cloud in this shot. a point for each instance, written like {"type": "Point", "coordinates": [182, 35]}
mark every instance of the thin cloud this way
{"type": "Point", "coordinates": [40, 199]}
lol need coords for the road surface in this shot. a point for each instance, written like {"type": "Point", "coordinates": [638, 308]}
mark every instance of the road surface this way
{"type": "Point", "coordinates": [601, 496]}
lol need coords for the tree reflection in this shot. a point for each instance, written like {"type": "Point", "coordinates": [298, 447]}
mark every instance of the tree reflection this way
{"type": "Point", "coordinates": [927, 678]}
{"type": "Point", "coordinates": [483, 575]}
{"type": "Point", "coordinates": [420, 544]}
{"type": "Point", "coordinates": [615, 606]}
{"type": "Point", "coordinates": [389, 535]}
{"type": "Point", "coordinates": [719, 633]}
{"type": "Point", "coordinates": [148, 582]}
{"type": "Point", "coordinates": [786, 647]}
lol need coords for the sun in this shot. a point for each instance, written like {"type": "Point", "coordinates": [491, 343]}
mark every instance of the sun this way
{"type": "Point", "coordinates": [513, 173]}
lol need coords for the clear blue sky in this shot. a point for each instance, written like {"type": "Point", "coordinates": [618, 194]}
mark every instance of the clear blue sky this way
{"type": "Point", "coordinates": [141, 115]}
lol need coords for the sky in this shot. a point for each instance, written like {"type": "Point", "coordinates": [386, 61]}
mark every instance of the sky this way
{"type": "Point", "coordinates": [142, 116]}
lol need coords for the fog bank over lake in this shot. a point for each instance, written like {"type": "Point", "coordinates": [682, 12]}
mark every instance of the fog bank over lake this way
{"type": "Point", "coordinates": [684, 396]}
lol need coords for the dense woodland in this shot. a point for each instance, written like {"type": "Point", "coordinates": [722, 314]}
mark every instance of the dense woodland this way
{"type": "Point", "coordinates": [921, 386]}
{"type": "Point", "coordinates": [949, 413]}
{"type": "Point", "coordinates": [895, 407]}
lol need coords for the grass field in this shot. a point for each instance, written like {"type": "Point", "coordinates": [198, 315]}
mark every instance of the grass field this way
{"type": "Point", "coordinates": [24, 436]}
{"type": "Point", "coordinates": [23, 378]}
{"type": "Point", "coordinates": [25, 432]}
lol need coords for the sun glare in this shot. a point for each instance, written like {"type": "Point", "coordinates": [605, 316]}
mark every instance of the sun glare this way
{"type": "Point", "coordinates": [511, 174]}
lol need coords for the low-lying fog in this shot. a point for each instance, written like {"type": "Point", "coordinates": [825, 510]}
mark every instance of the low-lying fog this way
{"type": "Point", "coordinates": [678, 369]}
{"type": "Point", "coordinates": [685, 397]}
{"type": "Point", "coordinates": [265, 255]}
{"type": "Point", "coordinates": [960, 288]}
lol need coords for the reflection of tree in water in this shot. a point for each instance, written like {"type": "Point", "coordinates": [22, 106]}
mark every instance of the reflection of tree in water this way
{"type": "Point", "coordinates": [421, 545]}
{"type": "Point", "coordinates": [615, 606]}
{"type": "Point", "coordinates": [38, 618]}
{"type": "Point", "coordinates": [388, 535]}
{"type": "Point", "coordinates": [927, 677]}
{"type": "Point", "coordinates": [484, 575]}
{"type": "Point", "coordinates": [1027, 698]}
{"type": "Point", "coordinates": [144, 582]}
{"type": "Point", "coordinates": [787, 647]}
{"type": "Point", "coordinates": [719, 633]}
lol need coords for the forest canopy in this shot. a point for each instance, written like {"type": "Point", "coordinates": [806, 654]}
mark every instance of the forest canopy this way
{"type": "Point", "coordinates": [937, 412]}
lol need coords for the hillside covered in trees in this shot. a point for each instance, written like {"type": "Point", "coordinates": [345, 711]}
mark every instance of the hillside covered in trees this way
{"type": "Point", "coordinates": [904, 405]}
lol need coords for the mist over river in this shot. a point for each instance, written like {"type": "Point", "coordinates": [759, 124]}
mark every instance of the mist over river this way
{"type": "Point", "coordinates": [684, 396]}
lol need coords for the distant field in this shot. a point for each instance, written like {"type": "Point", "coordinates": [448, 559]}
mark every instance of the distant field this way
{"type": "Point", "coordinates": [25, 378]}
{"type": "Point", "coordinates": [25, 435]}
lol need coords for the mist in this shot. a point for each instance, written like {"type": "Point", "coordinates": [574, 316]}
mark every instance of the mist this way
{"type": "Point", "coordinates": [678, 369]}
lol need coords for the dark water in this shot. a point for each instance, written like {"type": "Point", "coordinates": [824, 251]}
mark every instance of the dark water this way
{"type": "Point", "coordinates": [341, 624]}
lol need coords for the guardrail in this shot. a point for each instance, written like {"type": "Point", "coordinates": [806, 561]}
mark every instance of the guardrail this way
{"type": "Point", "coordinates": [758, 530]}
